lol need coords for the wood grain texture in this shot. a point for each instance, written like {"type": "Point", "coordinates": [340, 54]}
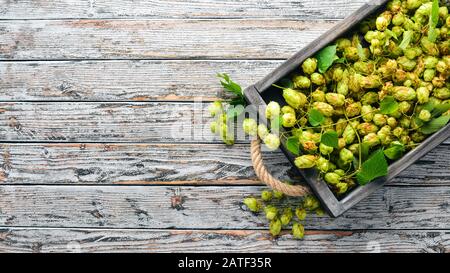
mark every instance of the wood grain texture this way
{"type": "Point", "coordinates": [124, 80]}
{"type": "Point", "coordinates": [103, 122]}
{"type": "Point", "coordinates": [155, 39]}
{"type": "Point", "coordinates": [206, 207]}
{"type": "Point", "coordinates": [172, 164]}
{"type": "Point", "coordinates": [305, 9]}
{"type": "Point", "coordinates": [107, 122]}
{"type": "Point", "coordinates": [107, 240]}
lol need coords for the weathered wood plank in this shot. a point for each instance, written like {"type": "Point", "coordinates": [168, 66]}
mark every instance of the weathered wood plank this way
{"type": "Point", "coordinates": [124, 80]}
{"type": "Point", "coordinates": [106, 240]}
{"type": "Point", "coordinates": [206, 208]}
{"type": "Point", "coordinates": [132, 164]}
{"type": "Point", "coordinates": [155, 39]}
{"type": "Point", "coordinates": [103, 122]}
{"type": "Point", "coordinates": [300, 9]}
{"type": "Point", "coordinates": [171, 164]}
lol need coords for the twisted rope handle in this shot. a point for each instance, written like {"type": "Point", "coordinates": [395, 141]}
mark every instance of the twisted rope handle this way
{"type": "Point", "coordinates": [264, 175]}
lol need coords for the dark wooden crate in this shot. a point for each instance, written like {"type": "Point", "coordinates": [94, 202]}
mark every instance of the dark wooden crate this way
{"type": "Point", "coordinates": [262, 92]}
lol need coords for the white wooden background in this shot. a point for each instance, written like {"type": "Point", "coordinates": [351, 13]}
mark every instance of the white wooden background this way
{"type": "Point", "coordinates": [89, 92]}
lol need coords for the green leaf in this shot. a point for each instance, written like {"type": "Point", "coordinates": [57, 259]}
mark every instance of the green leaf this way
{"type": "Point", "coordinates": [292, 144]}
{"type": "Point", "coordinates": [439, 109]}
{"type": "Point", "coordinates": [374, 167]}
{"type": "Point", "coordinates": [392, 34]}
{"type": "Point", "coordinates": [315, 117]}
{"type": "Point", "coordinates": [230, 85]}
{"type": "Point", "coordinates": [434, 19]}
{"type": "Point", "coordinates": [342, 60]}
{"type": "Point", "coordinates": [434, 125]}
{"type": "Point", "coordinates": [407, 36]}
{"type": "Point", "coordinates": [365, 148]}
{"type": "Point", "coordinates": [326, 57]}
{"type": "Point", "coordinates": [388, 105]}
{"type": "Point", "coordinates": [331, 139]}
{"type": "Point", "coordinates": [286, 83]}
{"type": "Point", "coordinates": [395, 151]}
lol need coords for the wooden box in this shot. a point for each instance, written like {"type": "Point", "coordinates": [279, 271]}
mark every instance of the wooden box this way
{"type": "Point", "coordinates": [262, 92]}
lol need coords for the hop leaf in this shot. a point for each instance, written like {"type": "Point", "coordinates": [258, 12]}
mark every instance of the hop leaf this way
{"type": "Point", "coordinates": [374, 167]}
{"type": "Point", "coordinates": [388, 105]}
{"type": "Point", "coordinates": [315, 117]}
{"type": "Point", "coordinates": [331, 139]}
{"type": "Point", "coordinates": [434, 19]}
{"type": "Point", "coordinates": [435, 125]}
{"type": "Point", "coordinates": [292, 144]}
{"type": "Point", "coordinates": [326, 57]}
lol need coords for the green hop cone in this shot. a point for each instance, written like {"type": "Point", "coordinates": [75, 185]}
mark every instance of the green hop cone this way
{"type": "Point", "coordinates": [398, 132]}
{"type": "Point", "coordinates": [294, 98]}
{"type": "Point", "coordinates": [325, 150]}
{"type": "Point", "coordinates": [349, 134]}
{"type": "Point", "coordinates": [301, 82]}
{"type": "Point", "coordinates": [340, 172]}
{"type": "Point", "coordinates": [340, 126]}
{"type": "Point", "coordinates": [402, 93]}
{"type": "Point", "coordinates": [371, 139]}
{"type": "Point", "coordinates": [367, 113]}
{"type": "Point", "coordinates": [324, 108]}
{"type": "Point", "coordinates": [273, 110]}
{"type": "Point", "coordinates": [341, 188]}
{"type": "Point", "coordinates": [342, 88]}
{"type": "Point", "coordinates": [442, 93]}
{"type": "Point", "coordinates": [404, 107]}
{"type": "Point", "coordinates": [430, 62]}
{"type": "Point", "coordinates": [266, 196]}
{"type": "Point", "coordinates": [346, 155]}
{"type": "Point", "coordinates": [369, 98]}
{"type": "Point", "coordinates": [278, 194]}
{"type": "Point", "coordinates": [367, 128]}
{"type": "Point", "coordinates": [379, 119]}
{"type": "Point", "coordinates": [288, 120]}
{"type": "Point", "coordinates": [215, 108]}
{"type": "Point", "coordinates": [425, 115]}
{"type": "Point", "coordinates": [371, 81]}
{"type": "Point", "coordinates": [429, 74]}
{"type": "Point", "coordinates": [288, 110]}
{"type": "Point", "coordinates": [301, 213]}
{"type": "Point", "coordinates": [275, 227]}
{"type": "Point", "coordinates": [318, 95]}
{"type": "Point", "coordinates": [318, 79]}
{"type": "Point", "coordinates": [383, 21]}
{"type": "Point", "coordinates": [332, 178]}
{"type": "Point", "coordinates": [262, 131]}
{"type": "Point", "coordinates": [286, 217]}
{"type": "Point", "coordinates": [309, 66]}
{"type": "Point", "coordinates": [213, 126]}
{"type": "Point", "coordinates": [324, 165]}
{"type": "Point", "coordinates": [335, 99]}
{"type": "Point", "coordinates": [392, 122]}
{"type": "Point", "coordinates": [353, 109]}
{"type": "Point", "coordinates": [272, 142]}
{"type": "Point", "coordinates": [423, 94]}
{"type": "Point", "coordinates": [250, 127]}
{"type": "Point", "coordinates": [305, 161]}
{"type": "Point", "coordinates": [298, 231]}
{"type": "Point", "coordinates": [271, 212]}
{"type": "Point", "coordinates": [311, 203]}
{"type": "Point", "coordinates": [226, 134]}
{"type": "Point", "coordinates": [252, 204]}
